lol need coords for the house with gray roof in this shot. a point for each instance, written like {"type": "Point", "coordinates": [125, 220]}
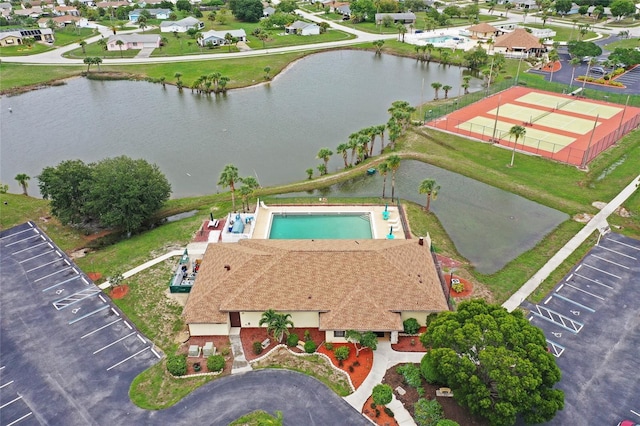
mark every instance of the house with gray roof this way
{"type": "Point", "coordinates": [302, 28]}
{"type": "Point", "coordinates": [218, 38]}
{"type": "Point", "coordinates": [398, 18]}
{"type": "Point", "coordinates": [181, 26]}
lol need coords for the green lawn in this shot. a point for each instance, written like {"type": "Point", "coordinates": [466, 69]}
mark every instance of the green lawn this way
{"type": "Point", "coordinates": [22, 50]}
{"type": "Point", "coordinates": [628, 43]}
{"type": "Point", "coordinates": [564, 33]}
{"type": "Point", "coordinates": [65, 36]}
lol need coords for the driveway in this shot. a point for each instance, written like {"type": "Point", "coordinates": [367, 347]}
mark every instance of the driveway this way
{"type": "Point", "coordinates": [69, 356]}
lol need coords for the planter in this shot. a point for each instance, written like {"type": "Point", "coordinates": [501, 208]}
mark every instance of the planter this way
{"type": "Point", "coordinates": [197, 367]}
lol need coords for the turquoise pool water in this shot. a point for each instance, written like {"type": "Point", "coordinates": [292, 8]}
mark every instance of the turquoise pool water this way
{"type": "Point", "coordinates": [320, 226]}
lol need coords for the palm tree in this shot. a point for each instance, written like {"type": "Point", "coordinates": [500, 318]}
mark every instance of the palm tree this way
{"type": "Point", "coordinates": [383, 168]}
{"type": "Point", "coordinates": [507, 8]}
{"type": "Point", "coordinates": [429, 48]}
{"type": "Point", "coordinates": [228, 38]}
{"type": "Point", "coordinates": [343, 149]}
{"type": "Point", "coordinates": [436, 86]}
{"type": "Point", "coordinates": [89, 61]}
{"type": "Point", "coordinates": [324, 154]}
{"type": "Point", "coordinates": [23, 180]}
{"type": "Point", "coordinates": [444, 57]}
{"type": "Point", "coordinates": [249, 185]}
{"type": "Point", "coordinates": [378, 45]}
{"type": "Point", "coordinates": [267, 70]}
{"type": "Point", "coordinates": [83, 45]}
{"type": "Point", "coordinates": [574, 62]}
{"type": "Point", "coordinates": [380, 129]}
{"type": "Point", "coordinates": [553, 58]}
{"type": "Point", "coordinates": [465, 83]}
{"type": "Point", "coordinates": [429, 187]}
{"type": "Point", "coordinates": [402, 30]}
{"type": "Point", "coordinates": [120, 43]}
{"type": "Point", "coordinates": [394, 165]}
{"type": "Point", "coordinates": [97, 60]}
{"type": "Point", "coordinates": [516, 132]}
{"type": "Point", "coordinates": [353, 146]}
{"type": "Point", "coordinates": [279, 326]}
{"type": "Point", "coordinates": [446, 89]}
{"type": "Point", "coordinates": [229, 177]}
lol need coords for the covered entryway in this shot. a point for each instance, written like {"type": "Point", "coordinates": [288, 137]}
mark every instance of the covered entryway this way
{"type": "Point", "coordinates": [234, 319]}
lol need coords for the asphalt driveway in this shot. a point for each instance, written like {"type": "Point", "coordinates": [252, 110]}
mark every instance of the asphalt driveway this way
{"type": "Point", "coordinates": [68, 356]}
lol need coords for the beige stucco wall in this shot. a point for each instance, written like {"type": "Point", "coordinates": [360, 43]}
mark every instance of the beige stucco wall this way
{"type": "Point", "coordinates": [328, 336]}
{"type": "Point", "coordinates": [421, 316]}
{"type": "Point", "coordinates": [209, 329]}
{"type": "Point", "coordinates": [300, 319]}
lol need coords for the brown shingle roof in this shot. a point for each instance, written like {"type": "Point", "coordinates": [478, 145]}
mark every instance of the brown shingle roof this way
{"type": "Point", "coordinates": [360, 285]}
{"type": "Point", "coordinates": [483, 27]}
{"type": "Point", "coordinates": [518, 38]}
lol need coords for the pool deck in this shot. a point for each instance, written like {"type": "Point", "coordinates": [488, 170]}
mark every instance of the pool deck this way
{"type": "Point", "coordinates": [380, 228]}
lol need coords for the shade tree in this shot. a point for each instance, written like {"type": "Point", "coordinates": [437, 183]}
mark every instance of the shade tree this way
{"type": "Point", "coordinates": [362, 340]}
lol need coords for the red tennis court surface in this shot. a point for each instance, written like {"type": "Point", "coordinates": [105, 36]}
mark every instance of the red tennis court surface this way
{"type": "Point", "coordinates": [565, 128]}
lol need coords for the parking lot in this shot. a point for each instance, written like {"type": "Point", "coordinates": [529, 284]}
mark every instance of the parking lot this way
{"type": "Point", "coordinates": [592, 326]}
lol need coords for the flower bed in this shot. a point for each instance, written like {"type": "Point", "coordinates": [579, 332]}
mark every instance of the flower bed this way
{"type": "Point", "coordinates": [357, 368]}
{"type": "Point", "coordinates": [382, 419]}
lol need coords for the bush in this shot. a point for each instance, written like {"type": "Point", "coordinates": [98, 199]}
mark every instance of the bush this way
{"type": "Point", "coordinates": [411, 326]}
{"type": "Point", "coordinates": [215, 363]}
{"type": "Point", "coordinates": [225, 351]}
{"type": "Point", "coordinates": [382, 394]}
{"type": "Point", "coordinates": [329, 346]}
{"type": "Point", "coordinates": [447, 422]}
{"type": "Point", "coordinates": [427, 413]}
{"type": "Point", "coordinates": [457, 287]}
{"type": "Point", "coordinates": [307, 336]}
{"type": "Point", "coordinates": [342, 353]}
{"type": "Point", "coordinates": [389, 412]}
{"type": "Point", "coordinates": [257, 347]}
{"type": "Point", "coordinates": [377, 412]}
{"type": "Point", "coordinates": [373, 405]}
{"type": "Point", "coordinates": [177, 365]}
{"type": "Point", "coordinates": [428, 369]}
{"type": "Point", "coordinates": [411, 375]}
{"type": "Point", "coordinates": [292, 340]}
{"type": "Point", "coordinates": [310, 347]}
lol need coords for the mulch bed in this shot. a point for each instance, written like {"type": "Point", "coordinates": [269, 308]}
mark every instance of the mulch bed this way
{"type": "Point", "coordinates": [219, 342]}
{"type": "Point", "coordinates": [357, 368]}
{"type": "Point", "coordinates": [119, 292]}
{"type": "Point", "coordinates": [250, 335]}
{"type": "Point", "coordinates": [94, 276]}
{"type": "Point", "coordinates": [452, 410]}
{"type": "Point", "coordinates": [556, 66]}
{"type": "Point", "coordinates": [404, 343]}
{"type": "Point", "coordinates": [383, 419]}
{"type": "Point", "coordinates": [468, 288]}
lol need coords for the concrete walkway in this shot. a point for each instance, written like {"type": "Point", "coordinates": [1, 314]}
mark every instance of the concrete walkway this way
{"type": "Point", "coordinates": [598, 222]}
{"type": "Point", "coordinates": [384, 358]}
{"type": "Point", "coordinates": [240, 364]}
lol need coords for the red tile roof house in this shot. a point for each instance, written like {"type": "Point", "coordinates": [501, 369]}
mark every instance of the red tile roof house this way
{"type": "Point", "coordinates": [332, 285]}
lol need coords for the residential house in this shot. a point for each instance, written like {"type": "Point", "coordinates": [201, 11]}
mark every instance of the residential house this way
{"type": "Point", "coordinates": [133, 41]}
{"type": "Point", "coordinates": [591, 9]}
{"type": "Point", "coordinates": [217, 38]}
{"type": "Point", "coordinates": [113, 4]}
{"type": "Point", "coordinates": [181, 26]}
{"type": "Point", "coordinates": [302, 28]}
{"type": "Point", "coordinates": [33, 12]}
{"type": "Point", "coordinates": [344, 10]}
{"type": "Point", "coordinates": [541, 33]}
{"type": "Point", "coordinates": [518, 43]}
{"type": "Point", "coordinates": [483, 31]}
{"type": "Point", "coordinates": [64, 21]}
{"type": "Point", "coordinates": [398, 18]}
{"type": "Point", "coordinates": [526, 5]}
{"type": "Point", "coordinates": [268, 11]}
{"type": "Point", "coordinates": [65, 10]}
{"type": "Point", "coordinates": [16, 37]}
{"type": "Point", "coordinates": [332, 285]}
{"type": "Point", "coordinates": [5, 9]}
{"type": "Point", "coordinates": [160, 14]}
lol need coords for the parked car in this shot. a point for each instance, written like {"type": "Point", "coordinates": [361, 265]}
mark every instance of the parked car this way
{"type": "Point", "coordinates": [628, 423]}
{"type": "Point", "coordinates": [597, 70]}
{"type": "Point", "coordinates": [586, 59]}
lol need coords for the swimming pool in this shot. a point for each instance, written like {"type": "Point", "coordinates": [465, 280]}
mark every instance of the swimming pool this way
{"type": "Point", "coordinates": [320, 226]}
{"type": "Point", "coordinates": [444, 39]}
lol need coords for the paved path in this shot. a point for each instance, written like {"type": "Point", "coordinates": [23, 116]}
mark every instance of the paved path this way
{"type": "Point", "coordinates": [599, 221]}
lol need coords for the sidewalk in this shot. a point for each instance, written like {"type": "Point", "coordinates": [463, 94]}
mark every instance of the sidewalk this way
{"type": "Point", "coordinates": [598, 222]}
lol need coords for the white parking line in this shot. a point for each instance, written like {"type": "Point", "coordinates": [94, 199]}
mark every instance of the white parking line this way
{"type": "Point", "coordinates": [2, 368]}
{"type": "Point", "coordinates": [20, 419]}
{"type": "Point", "coordinates": [575, 303]}
{"type": "Point", "coordinates": [128, 358]}
{"type": "Point", "coordinates": [569, 277]}
{"type": "Point", "coordinates": [607, 260]}
{"type": "Point", "coordinates": [6, 384]}
{"type": "Point", "coordinates": [637, 414]}
{"type": "Point", "coordinates": [37, 255]}
{"type": "Point", "coordinates": [62, 282]}
{"type": "Point", "coordinates": [617, 252]}
{"type": "Point", "coordinates": [625, 244]}
{"type": "Point", "coordinates": [11, 402]}
{"type": "Point", "coordinates": [13, 235]}
{"type": "Point", "coordinates": [127, 324]}
{"type": "Point", "coordinates": [89, 314]}
{"type": "Point", "coordinates": [24, 239]}
{"type": "Point", "coordinates": [113, 343]}
{"type": "Point", "coordinates": [102, 298]}
{"type": "Point", "coordinates": [579, 266]}
{"type": "Point", "coordinates": [594, 281]}
{"type": "Point", "coordinates": [98, 329]}
{"type": "Point", "coordinates": [156, 353]}
{"type": "Point", "coordinates": [141, 339]}
{"type": "Point", "coordinates": [586, 292]}
{"type": "Point", "coordinates": [548, 299]}
{"type": "Point", "coordinates": [28, 248]}
{"type": "Point", "coordinates": [602, 270]}
{"type": "Point", "coordinates": [43, 265]}
{"type": "Point", "coordinates": [52, 274]}
{"type": "Point", "coordinates": [115, 312]}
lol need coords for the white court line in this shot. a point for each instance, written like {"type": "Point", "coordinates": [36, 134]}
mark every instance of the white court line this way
{"type": "Point", "coordinates": [24, 239]}
{"type": "Point", "coordinates": [54, 273]}
{"type": "Point", "coordinates": [586, 292]}
{"type": "Point", "coordinates": [602, 270]}
{"type": "Point", "coordinates": [127, 359]}
{"type": "Point", "coordinates": [33, 257]}
{"type": "Point", "coordinates": [625, 244]}
{"type": "Point", "coordinates": [6, 384]}
{"type": "Point", "coordinates": [113, 343]}
{"type": "Point", "coordinates": [607, 260]}
{"type": "Point", "coordinates": [594, 281]}
{"type": "Point", "coordinates": [20, 419]}
{"type": "Point", "coordinates": [28, 248]}
{"type": "Point", "coordinates": [43, 265]}
{"type": "Point", "coordinates": [10, 402]}
{"type": "Point", "coordinates": [617, 252]}
{"type": "Point", "coordinates": [98, 329]}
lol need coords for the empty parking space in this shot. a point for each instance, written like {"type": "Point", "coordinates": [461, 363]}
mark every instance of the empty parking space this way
{"type": "Point", "coordinates": [591, 325]}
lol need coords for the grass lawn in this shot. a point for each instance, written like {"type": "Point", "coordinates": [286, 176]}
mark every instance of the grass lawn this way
{"type": "Point", "coordinates": [564, 33]}
{"type": "Point", "coordinates": [258, 418]}
{"type": "Point", "coordinates": [628, 43]}
{"type": "Point", "coordinates": [68, 35]}
{"type": "Point", "coordinates": [23, 50]}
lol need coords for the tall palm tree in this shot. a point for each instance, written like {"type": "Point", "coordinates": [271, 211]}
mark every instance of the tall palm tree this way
{"type": "Point", "coordinates": [574, 62]}
{"type": "Point", "coordinates": [430, 188]}
{"type": "Point", "coordinates": [89, 61]}
{"type": "Point", "coordinates": [553, 58]}
{"type": "Point", "coordinates": [446, 89]}
{"type": "Point", "coordinates": [177, 76]}
{"type": "Point", "coordinates": [83, 45]}
{"type": "Point", "coordinates": [249, 185]}
{"type": "Point", "coordinates": [353, 146]}
{"type": "Point", "coordinates": [436, 86]}
{"type": "Point", "coordinates": [402, 30]}
{"type": "Point", "coordinates": [394, 165]}
{"type": "Point", "coordinates": [380, 129]}
{"type": "Point", "coordinates": [465, 83]}
{"type": "Point", "coordinates": [343, 149]}
{"type": "Point", "coordinates": [516, 132]}
{"type": "Point", "coordinates": [23, 180]}
{"type": "Point", "coordinates": [120, 43]}
{"type": "Point", "coordinates": [324, 154]}
{"type": "Point", "coordinates": [229, 177]}
{"type": "Point", "coordinates": [383, 168]}
{"type": "Point", "coordinates": [280, 325]}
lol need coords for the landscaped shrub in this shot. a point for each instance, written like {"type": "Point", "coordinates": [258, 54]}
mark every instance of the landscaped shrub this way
{"type": "Point", "coordinates": [427, 413]}
{"type": "Point", "coordinates": [342, 353]}
{"type": "Point", "coordinates": [447, 422]}
{"type": "Point", "coordinates": [411, 326]}
{"type": "Point", "coordinates": [457, 287]}
{"type": "Point", "coordinates": [377, 412]}
{"type": "Point", "coordinates": [329, 346]}
{"type": "Point", "coordinates": [389, 411]}
{"type": "Point", "coordinates": [373, 405]}
{"type": "Point", "coordinates": [310, 346]}
{"type": "Point", "coordinates": [382, 394]}
{"type": "Point", "coordinates": [177, 365]}
{"type": "Point", "coordinates": [356, 363]}
{"type": "Point", "coordinates": [292, 340]}
{"type": "Point", "coordinates": [428, 369]}
{"type": "Point", "coordinates": [307, 335]}
{"type": "Point", "coordinates": [257, 347]}
{"type": "Point", "coordinates": [215, 363]}
{"type": "Point", "coordinates": [420, 391]}
{"type": "Point", "coordinates": [225, 351]}
{"type": "Point", "coordinates": [430, 318]}
{"type": "Point", "coordinates": [411, 375]}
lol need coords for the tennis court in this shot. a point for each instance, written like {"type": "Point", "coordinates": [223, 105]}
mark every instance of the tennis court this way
{"type": "Point", "coordinates": [561, 127]}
